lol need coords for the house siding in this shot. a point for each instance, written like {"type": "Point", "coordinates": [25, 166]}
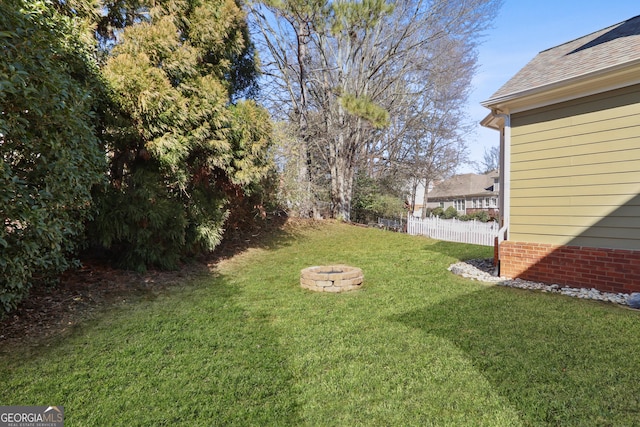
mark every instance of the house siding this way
{"type": "Point", "coordinates": [575, 193]}
{"type": "Point", "coordinates": [575, 172]}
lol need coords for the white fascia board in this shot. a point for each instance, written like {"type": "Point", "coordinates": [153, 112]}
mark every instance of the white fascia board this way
{"type": "Point", "coordinates": [599, 81]}
{"type": "Point", "coordinates": [492, 121]}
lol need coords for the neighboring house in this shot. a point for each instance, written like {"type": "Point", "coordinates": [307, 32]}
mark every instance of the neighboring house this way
{"type": "Point", "coordinates": [569, 125]}
{"type": "Point", "coordinates": [467, 193]}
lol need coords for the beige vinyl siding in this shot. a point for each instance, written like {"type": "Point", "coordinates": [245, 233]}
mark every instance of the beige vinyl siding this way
{"type": "Point", "coordinates": [575, 172]}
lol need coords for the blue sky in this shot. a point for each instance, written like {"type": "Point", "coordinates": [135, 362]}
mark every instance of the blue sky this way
{"type": "Point", "coordinates": [522, 29]}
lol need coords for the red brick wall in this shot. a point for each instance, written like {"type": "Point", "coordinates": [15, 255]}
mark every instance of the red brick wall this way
{"type": "Point", "coordinates": [608, 270]}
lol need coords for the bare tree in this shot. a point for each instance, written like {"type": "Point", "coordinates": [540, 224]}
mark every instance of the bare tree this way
{"type": "Point", "coordinates": [349, 73]}
{"type": "Point", "coordinates": [431, 143]}
{"type": "Point", "coordinates": [490, 160]}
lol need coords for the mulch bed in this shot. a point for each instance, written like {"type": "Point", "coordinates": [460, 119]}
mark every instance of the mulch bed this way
{"type": "Point", "coordinates": [52, 311]}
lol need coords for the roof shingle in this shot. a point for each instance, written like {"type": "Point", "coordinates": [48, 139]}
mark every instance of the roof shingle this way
{"type": "Point", "coordinates": [609, 47]}
{"type": "Point", "coordinates": [469, 184]}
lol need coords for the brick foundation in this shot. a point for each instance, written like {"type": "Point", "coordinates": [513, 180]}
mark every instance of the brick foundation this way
{"type": "Point", "coordinates": [608, 270]}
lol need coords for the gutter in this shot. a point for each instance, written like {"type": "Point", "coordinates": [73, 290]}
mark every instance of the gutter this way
{"type": "Point", "coordinates": [505, 173]}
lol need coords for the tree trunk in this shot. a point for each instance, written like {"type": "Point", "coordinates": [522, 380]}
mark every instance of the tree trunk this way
{"type": "Point", "coordinates": [341, 189]}
{"type": "Point", "coordinates": [309, 208]}
{"type": "Point", "coordinates": [412, 196]}
{"type": "Point", "coordinates": [425, 199]}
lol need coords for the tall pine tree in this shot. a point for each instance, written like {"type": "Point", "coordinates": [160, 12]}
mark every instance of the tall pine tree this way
{"type": "Point", "coordinates": [188, 141]}
{"type": "Point", "coordinates": [350, 75]}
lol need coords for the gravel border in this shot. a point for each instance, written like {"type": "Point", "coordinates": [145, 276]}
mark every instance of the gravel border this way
{"type": "Point", "coordinates": [483, 270]}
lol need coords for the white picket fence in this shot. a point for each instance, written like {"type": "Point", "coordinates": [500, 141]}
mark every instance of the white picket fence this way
{"type": "Point", "coordinates": [453, 230]}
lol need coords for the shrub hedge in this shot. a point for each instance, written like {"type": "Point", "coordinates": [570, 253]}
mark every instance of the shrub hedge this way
{"type": "Point", "coordinates": [51, 157]}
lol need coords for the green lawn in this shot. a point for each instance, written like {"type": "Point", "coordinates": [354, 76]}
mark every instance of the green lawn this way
{"type": "Point", "coordinates": [417, 346]}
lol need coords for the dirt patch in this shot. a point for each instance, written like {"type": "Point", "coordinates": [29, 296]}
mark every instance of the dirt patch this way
{"type": "Point", "coordinates": [52, 311]}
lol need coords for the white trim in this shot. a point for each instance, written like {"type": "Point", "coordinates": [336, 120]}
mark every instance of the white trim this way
{"type": "Point", "coordinates": [505, 178]}
{"type": "Point", "coordinates": [571, 97]}
{"type": "Point", "coordinates": [502, 122]}
{"type": "Point", "coordinates": [592, 83]}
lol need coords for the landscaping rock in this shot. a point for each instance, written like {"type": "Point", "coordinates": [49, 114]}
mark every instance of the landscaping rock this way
{"type": "Point", "coordinates": [483, 270]}
{"type": "Point", "coordinates": [634, 300]}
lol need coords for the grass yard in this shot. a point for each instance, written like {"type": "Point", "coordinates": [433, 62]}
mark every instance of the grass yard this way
{"type": "Point", "coordinates": [417, 346]}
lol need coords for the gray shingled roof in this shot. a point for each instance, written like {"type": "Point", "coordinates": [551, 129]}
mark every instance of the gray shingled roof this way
{"type": "Point", "coordinates": [469, 184]}
{"type": "Point", "coordinates": [609, 47]}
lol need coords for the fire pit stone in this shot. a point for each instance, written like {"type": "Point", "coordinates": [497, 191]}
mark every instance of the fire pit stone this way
{"type": "Point", "coordinates": [331, 278]}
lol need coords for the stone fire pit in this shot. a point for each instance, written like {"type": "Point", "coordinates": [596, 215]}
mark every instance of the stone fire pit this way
{"type": "Point", "coordinates": [331, 278]}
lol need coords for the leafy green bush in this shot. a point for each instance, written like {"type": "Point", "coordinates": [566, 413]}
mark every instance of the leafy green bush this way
{"type": "Point", "coordinates": [370, 201]}
{"type": "Point", "coordinates": [50, 155]}
{"type": "Point", "coordinates": [450, 213]}
{"type": "Point", "coordinates": [439, 211]}
{"type": "Point", "coordinates": [481, 216]}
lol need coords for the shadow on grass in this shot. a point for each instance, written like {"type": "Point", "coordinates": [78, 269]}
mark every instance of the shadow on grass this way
{"type": "Point", "coordinates": [272, 233]}
{"type": "Point", "coordinates": [50, 311]}
{"type": "Point", "coordinates": [196, 356]}
{"type": "Point", "coordinates": [559, 361]}
{"type": "Point", "coordinates": [460, 251]}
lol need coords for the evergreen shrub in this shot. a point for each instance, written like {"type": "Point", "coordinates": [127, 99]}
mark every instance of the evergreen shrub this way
{"type": "Point", "coordinates": [51, 157]}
